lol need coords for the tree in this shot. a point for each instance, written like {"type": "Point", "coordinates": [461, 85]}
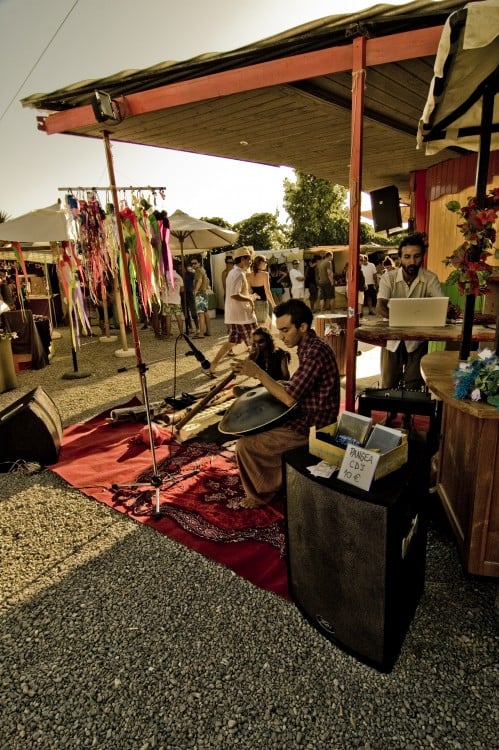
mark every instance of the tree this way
{"type": "Point", "coordinates": [262, 231]}
{"type": "Point", "coordinates": [318, 212]}
{"type": "Point", "coordinates": [4, 216]}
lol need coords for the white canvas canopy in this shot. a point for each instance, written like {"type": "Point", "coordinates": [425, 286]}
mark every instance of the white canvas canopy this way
{"type": "Point", "coordinates": [462, 108]}
{"type": "Point", "coordinates": [466, 62]}
{"type": "Point", "coordinates": [36, 252]}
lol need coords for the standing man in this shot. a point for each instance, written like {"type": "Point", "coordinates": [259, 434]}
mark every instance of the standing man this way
{"type": "Point", "coordinates": [297, 281]}
{"type": "Point", "coordinates": [311, 282]}
{"type": "Point", "coordinates": [229, 265]}
{"type": "Point", "coordinates": [315, 390]}
{"type": "Point", "coordinates": [370, 279]}
{"type": "Point", "coordinates": [173, 303]}
{"type": "Point", "coordinates": [325, 276]}
{"type": "Point", "coordinates": [401, 359]}
{"type": "Point", "coordinates": [201, 286]}
{"type": "Point", "coordinates": [239, 306]}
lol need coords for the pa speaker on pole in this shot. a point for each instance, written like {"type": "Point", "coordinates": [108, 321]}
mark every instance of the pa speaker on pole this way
{"type": "Point", "coordinates": [385, 208]}
{"type": "Point", "coordinates": [31, 429]}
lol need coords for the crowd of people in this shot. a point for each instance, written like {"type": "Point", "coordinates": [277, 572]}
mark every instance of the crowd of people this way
{"type": "Point", "coordinates": [255, 299]}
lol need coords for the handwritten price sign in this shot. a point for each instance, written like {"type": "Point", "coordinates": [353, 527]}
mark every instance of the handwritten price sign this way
{"type": "Point", "coordinates": [358, 467]}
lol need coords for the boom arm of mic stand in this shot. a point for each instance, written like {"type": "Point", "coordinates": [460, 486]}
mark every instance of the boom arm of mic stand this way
{"type": "Point", "coordinates": [203, 402]}
{"type": "Point", "coordinates": [205, 364]}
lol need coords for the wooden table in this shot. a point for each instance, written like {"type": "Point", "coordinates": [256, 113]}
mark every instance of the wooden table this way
{"type": "Point", "coordinates": [468, 473]}
{"type": "Point", "coordinates": [380, 332]}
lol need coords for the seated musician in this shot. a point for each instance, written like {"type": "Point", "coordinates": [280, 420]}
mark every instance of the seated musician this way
{"type": "Point", "coordinates": [314, 390]}
{"type": "Point", "coordinates": [400, 360]}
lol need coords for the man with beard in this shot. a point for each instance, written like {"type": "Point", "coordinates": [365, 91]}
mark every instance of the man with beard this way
{"type": "Point", "coordinates": [401, 359]}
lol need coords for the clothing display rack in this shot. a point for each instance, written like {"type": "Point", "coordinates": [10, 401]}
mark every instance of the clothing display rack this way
{"type": "Point", "coordinates": [155, 481]}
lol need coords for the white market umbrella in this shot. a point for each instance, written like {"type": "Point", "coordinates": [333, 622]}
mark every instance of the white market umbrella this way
{"type": "Point", "coordinates": [42, 225]}
{"type": "Point", "coordinates": [462, 108]}
{"type": "Point", "coordinates": [190, 235]}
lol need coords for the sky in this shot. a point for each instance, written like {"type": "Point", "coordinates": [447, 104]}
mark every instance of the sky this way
{"type": "Point", "coordinates": [48, 44]}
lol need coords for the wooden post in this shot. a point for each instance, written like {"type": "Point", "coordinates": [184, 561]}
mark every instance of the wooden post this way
{"type": "Point", "coordinates": [358, 85]}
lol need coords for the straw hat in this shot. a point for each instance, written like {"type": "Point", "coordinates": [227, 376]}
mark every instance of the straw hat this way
{"type": "Point", "coordinates": [241, 252]}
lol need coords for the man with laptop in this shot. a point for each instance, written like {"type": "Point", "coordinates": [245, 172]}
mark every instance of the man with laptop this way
{"type": "Point", "coordinates": [401, 359]}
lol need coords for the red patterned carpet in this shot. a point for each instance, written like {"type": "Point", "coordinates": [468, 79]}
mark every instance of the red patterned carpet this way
{"type": "Point", "coordinates": [199, 494]}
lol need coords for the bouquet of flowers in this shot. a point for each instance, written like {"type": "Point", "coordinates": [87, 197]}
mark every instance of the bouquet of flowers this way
{"type": "Point", "coordinates": [478, 378]}
{"type": "Point", "coordinates": [471, 270]}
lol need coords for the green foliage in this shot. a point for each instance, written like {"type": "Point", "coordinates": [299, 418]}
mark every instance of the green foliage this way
{"type": "Point", "coordinates": [219, 222]}
{"type": "Point", "coordinates": [382, 239]}
{"type": "Point", "coordinates": [318, 213]}
{"type": "Point", "coordinates": [262, 231]}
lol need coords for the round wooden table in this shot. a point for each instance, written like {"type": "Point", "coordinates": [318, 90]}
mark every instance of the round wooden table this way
{"type": "Point", "coordinates": [379, 332]}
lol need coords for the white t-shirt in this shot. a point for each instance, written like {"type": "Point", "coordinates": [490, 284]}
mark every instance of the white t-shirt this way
{"type": "Point", "coordinates": [173, 293]}
{"type": "Point", "coordinates": [369, 271]}
{"type": "Point", "coordinates": [237, 311]}
{"type": "Point", "coordinates": [297, 285]}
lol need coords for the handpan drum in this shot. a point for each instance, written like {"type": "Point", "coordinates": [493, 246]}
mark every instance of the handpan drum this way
{"type": "Point", "coordinates": [254, 411]}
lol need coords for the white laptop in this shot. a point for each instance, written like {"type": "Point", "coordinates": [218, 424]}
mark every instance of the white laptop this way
{"type": "Point", "coordinates": [413, 312]}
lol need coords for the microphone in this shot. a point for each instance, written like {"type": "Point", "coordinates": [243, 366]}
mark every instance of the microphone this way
{"type": "Point", "coordinates": [198, 354]}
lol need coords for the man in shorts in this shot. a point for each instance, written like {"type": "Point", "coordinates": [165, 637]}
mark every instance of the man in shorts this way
{"type": "Point", "coordinates": [325, 276]}
{"type": "Point", "coordinates": [172, 303]}
{"type": "Point", "coordinates": [239, 306]}
{"type": "Point", "coordinates": [201, 286]}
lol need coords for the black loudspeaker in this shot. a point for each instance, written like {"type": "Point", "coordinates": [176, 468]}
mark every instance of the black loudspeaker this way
{"type": "Point", "coordinates": [31, 429]}
{"type": "Point", "coordinates": [356, 560]}
{"type": "Point", "coordinates": [385, 208]}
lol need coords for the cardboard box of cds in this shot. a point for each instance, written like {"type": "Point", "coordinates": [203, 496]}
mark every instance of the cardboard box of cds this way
{"type": "Point", "coordinates": [321, 444]}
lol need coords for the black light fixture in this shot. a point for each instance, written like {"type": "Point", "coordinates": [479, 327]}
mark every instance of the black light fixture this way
{"type": "Point", "coordinates": [104, 107]}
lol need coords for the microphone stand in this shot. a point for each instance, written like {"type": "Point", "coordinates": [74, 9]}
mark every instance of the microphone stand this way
{"type": "Point", "coordinates": [156, 480]}
{"type": "Point", "coordinates": [205, 364]}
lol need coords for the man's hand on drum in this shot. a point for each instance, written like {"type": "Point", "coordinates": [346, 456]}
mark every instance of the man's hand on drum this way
{"type": "Point", "coordinates": [246, 367]}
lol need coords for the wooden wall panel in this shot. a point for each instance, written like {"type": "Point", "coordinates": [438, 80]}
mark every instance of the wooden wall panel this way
{"type": "Point", "coordinates": [443, 234]}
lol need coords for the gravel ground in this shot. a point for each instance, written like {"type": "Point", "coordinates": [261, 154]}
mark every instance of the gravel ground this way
{"type": "Point", "coordinates": [114, 636]}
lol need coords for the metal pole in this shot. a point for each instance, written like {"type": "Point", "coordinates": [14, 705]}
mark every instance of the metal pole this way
{"type": "Point", "coordinates": [480, 193]}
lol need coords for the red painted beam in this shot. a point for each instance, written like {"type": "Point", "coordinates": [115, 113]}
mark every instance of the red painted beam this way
{"type": "Point", "coordinates": [404, 46]}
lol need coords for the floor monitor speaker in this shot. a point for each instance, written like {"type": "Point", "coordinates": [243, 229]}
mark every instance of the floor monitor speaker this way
{"type": "Point", "coordinates": [31, 429]}
{"type": "Point", "coordinates": [356, 560]}
{"type": "Point", "coordinates": [385, 209]}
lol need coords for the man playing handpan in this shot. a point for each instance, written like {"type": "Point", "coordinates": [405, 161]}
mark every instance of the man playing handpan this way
{"type": "Point", "coordinates": [314, 388]}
